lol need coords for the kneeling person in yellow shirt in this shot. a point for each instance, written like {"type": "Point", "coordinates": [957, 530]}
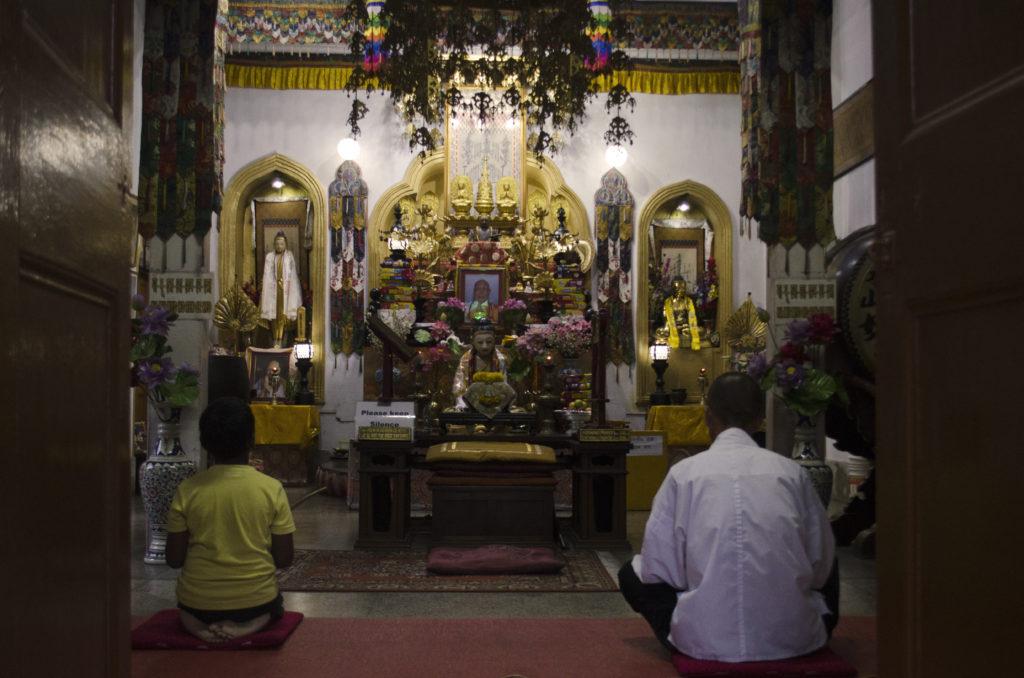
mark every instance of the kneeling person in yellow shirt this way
{"type": "Point", "coordinates": [231, 528]}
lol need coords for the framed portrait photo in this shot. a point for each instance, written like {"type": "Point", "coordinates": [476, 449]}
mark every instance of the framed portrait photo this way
{"type": "Point", "coordinates": [483, 289]}
{"type": "Point", "coordinates": [263, 364]}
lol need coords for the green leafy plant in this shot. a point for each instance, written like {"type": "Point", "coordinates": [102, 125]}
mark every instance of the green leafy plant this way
{"type": "Point", "coordinates": [540, 59]}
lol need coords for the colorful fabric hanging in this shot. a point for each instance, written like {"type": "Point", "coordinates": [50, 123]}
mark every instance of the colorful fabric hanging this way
{"type": "Point", "coordinates": [182, 152]}
{"type": "Point", "coordinates": [785, 88]}
{"type": "Point", "coordinates": [373, 52]}
{"type": "Point", "coordinates": [347, 213]}
{"type": "Point", "coordinates": [613, 207]}
{"type": "Point", "coordinates": [600, 34]}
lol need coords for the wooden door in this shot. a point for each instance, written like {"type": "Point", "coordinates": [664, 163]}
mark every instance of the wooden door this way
{"type": "Point", "coordinates": [949, 110]}
{"type": "Point", "coordinates": [64, 554]}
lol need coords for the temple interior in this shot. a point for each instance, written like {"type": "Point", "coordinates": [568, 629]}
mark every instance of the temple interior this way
{"type": "Point", "coordinates": [474, 267]}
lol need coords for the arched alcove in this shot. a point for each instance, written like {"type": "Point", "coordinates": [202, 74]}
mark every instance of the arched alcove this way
{"type": "Point", "coordinates": [232, 248]}
{"type": "Point", "coordinates": [717, 214]}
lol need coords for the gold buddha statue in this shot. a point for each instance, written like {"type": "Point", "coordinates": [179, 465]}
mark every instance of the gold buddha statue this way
{"type": "Point", "coordinates": [680, 318]}
{"type": "Point", "coordinates": [462, 196]}
{"type": "Point", "coordinates": [507, 201]}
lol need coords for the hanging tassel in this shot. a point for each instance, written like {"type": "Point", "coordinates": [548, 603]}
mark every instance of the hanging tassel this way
{"type": "Point", "coordinates": [600, 35]}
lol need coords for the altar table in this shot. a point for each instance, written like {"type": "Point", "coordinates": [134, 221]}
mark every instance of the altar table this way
{"type": "Point", "coordinates": [598, 481]}
{"type": "Point", "coordinates": [286, 437]}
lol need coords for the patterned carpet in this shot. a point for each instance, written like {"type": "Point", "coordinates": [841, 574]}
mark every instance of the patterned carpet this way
{"type": "Point", "coordinates": [352, 571]}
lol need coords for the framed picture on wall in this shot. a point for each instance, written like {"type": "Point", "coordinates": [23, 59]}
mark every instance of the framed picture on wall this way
{"type": "Point", "coordinates": [681, 250]}
{"type": "Point", "coordinates": [263, 364]}
{"type": "Point", "coordinates": [483, 289]}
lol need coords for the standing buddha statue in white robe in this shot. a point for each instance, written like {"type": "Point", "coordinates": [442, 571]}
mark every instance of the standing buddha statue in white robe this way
{"type": "Point", "coordinates": [282, 293]}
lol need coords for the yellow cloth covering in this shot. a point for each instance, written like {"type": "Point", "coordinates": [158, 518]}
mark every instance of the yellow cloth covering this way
{"type": "Point", "coordinates": [481, 450]}
{"type": "Point", "coordinates": [286, 424]}
{"type": "Point", "coordinates": [683, 425]}
{"type": "Point", "coordinates": [640, 80]}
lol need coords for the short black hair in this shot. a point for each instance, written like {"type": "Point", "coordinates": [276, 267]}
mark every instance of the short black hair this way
{"type": "Point", "coordinates": [227, 429]}
{"type": "Point", "coordinates": [736, 400]}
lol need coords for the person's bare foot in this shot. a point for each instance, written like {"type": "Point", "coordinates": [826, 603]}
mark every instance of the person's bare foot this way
{"type": "Point", "coordinates": [199, 629]}
{"type": "Point", "coordinates": [228, 630]}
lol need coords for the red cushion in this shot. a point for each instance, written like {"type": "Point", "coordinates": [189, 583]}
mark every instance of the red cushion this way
{"type": "Point", "coordinates": [824, 662]}
{"type": "Point", "coordinates": [494, 559]}
{"type": "Point", "coordinates": [163, 631]}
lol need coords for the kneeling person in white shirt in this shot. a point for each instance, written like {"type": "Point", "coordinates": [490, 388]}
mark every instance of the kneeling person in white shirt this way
{"type": "Point", "coordinates": [738, 557]}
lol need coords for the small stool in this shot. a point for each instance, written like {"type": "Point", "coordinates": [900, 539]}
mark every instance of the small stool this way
{"type": "Point", "coordinates": [823, 663]}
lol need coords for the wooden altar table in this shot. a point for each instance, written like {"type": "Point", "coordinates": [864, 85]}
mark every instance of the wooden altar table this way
{"type": "Point", "coordinates": [598, 505]}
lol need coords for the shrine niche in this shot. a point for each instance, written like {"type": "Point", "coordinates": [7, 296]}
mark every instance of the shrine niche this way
{"type": "Point", "coordinates": [275, 211]}
{"type": "Point", "coordinates": [684, 286]}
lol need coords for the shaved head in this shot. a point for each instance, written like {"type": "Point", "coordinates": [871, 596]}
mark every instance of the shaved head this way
{"type": "Point", "coordinates": [735, 400]}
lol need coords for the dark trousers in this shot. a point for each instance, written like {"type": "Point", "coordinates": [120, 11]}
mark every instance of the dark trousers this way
{"type": "Point", "coordinates": [275, 608]}
{"type": "Point", "coordinates": [655, 602]}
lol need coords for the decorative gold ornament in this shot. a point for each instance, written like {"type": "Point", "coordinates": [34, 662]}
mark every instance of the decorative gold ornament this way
{"type": "Point", "coordinates": [543, 281]}
{"type": "Point", "coordinates": [744, 331]}
{"type": "Point", "coordinates": [484, 193]}
{"type": "Point", "coordinates": [235, 313]}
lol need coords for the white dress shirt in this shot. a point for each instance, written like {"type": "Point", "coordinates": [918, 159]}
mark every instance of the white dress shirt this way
{"type": "Point", "coordinates": [742, 533]}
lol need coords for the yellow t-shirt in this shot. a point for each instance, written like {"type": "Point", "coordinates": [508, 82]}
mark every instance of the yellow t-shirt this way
{"type": "Point", "coordinates": [230, 511]}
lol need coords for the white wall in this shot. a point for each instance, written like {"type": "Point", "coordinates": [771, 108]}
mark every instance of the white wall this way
{"type": "Point", "coordinates": [854, 192]}
{"type": "Point", "coordinates": [685, 137]}
{"type": "Point", "coordinates": [851, 48]}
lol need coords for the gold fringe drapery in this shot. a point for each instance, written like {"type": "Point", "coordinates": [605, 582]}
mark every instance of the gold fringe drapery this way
{"type": "Point", "coordinates": [326, 77]}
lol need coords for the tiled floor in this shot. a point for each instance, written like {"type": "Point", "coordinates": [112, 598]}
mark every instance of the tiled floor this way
{"type": "Point", "coordinates": [324, 522]}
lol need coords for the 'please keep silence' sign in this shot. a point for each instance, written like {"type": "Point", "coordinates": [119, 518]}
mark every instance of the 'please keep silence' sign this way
{"type": "Point", "coordinates": [393, 421]}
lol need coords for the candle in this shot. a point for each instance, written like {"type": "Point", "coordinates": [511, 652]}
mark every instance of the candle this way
{"type": "Point", "coordinates": [300, 321]}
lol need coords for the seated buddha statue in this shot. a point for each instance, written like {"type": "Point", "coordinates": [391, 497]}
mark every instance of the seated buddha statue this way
{"type": "Point", "coordinates": [483, 356]}
{"type": "Point", "coordinates": [681, 317]}
{"type": "Point", "coordinates": [507, 202]}
{"type": "Point", "coordinates": [462, 196]}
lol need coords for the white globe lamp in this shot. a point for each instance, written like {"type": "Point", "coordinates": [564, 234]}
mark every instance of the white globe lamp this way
{"type": "Point", "coordinates": [616, 156]}
{"type": "Point", "coordinates": [348, 149]}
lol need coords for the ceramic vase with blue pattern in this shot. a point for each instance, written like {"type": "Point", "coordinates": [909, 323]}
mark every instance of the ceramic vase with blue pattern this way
{"type": "Point", "coordinates": [161, 474]}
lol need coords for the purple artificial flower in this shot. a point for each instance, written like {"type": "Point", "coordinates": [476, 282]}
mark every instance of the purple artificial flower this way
{"type": "Point", "coordinates": [757, 366]}
{"type": "Point", "coordinates": [187, 369]}
{"type": "Point", "coordinates": [789, 374]}
{"type": "Point", "coordinates": [798, 331]}
{"type": "Point", "coordinates": [154, 372]}
{"type": "Point", "coordinates": [155, 320]}
{"type": "Point", "coordinates": [138, 302]}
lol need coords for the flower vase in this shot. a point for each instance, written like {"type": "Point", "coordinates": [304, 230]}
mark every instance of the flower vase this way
{"type": "Point", "coordinates": [161, 474]}
{"type": "Point", "coordinates": [806, 453]}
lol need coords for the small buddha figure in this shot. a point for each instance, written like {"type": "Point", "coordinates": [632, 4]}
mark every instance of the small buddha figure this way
{"type": "Point", "coordinates": [681, 318]}
{"type": "Point", "coordinates": [483, 356]}
{"type": "Point", "coordinates": [462, 196]}
{"type": "Point", "coordinates": [507, 202]}
{"type": "Point", "coordinates": [282, 293]}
